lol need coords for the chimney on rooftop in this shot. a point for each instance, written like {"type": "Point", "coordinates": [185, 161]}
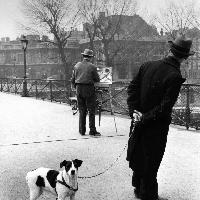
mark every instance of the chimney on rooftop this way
{"type": "Point", "coordinates": [161, 32]}
{"type": "Point", "coordinates": [102, 14]}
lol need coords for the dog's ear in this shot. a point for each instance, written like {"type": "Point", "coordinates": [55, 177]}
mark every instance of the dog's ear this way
{"type": "Point", "coordinates": [66, 163]}
{"type": "Point", "coordinates": [77, 163]}
{"type": "Point", "coordinates": [63, 163]}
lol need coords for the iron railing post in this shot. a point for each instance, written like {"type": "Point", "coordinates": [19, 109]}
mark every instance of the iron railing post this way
{"type": "Point", "coordinates": [51, 92]}
{"type": "Point", "coordinates": [8, 89]}
{"type": "Point", "coordinates": [67, 92]}
{"type": "Point", "coordinates": [36, 90]}
{"type": "Point", "coordinates": [1, 85]}
{"type": "Point", "coordinates": [187, 110]}
{"type": "Point", "coordinates": [15, 86]}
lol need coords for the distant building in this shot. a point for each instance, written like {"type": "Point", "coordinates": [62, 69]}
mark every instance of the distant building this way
{"type": "Point", "coordinates": [5, 39]}
{"type": "Point", "coordinates": [33, 37]}
{"type": "Point", "coordinates": [134, 43]}
{"type": "Point", "coordinates": [128, 27]}
{"type": "Point", "coordinates": [42, 59]}
{"type": "Point", "coordinates": [131, 55]}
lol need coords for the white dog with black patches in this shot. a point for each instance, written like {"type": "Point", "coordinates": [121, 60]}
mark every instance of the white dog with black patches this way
{"type": "Point", "coordinates": [61, 183]}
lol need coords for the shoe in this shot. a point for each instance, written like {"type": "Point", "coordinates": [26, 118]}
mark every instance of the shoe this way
{"type": "Point", "coordinates": [159, 198]}
{"type": "Point", "coordinates": [94, 133]}
{"type": "Point", "coordinates": [82, 133]}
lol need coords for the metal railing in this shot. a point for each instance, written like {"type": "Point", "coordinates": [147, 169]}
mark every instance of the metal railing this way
{"type": "Point", "coordinates": [53, 90]}
{"type": "Point", "coordinates": [186, 111]}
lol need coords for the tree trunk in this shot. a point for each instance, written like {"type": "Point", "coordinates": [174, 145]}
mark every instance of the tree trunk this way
{"type": "Point", "coordinates": [67, 74]}
{"type": "Point", "coordinates": [105, 52]}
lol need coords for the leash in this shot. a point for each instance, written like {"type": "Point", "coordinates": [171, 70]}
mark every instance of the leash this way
{"type": "Point", "coordinates": [63, 182]}
{"type": "Point", "coordinates": [112, 164]}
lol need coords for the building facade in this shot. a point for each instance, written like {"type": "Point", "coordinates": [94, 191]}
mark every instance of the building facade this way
{"type": "Point", "coordinates": [127, 51]}
{"type": "Point", "coordinates": [42, 59]}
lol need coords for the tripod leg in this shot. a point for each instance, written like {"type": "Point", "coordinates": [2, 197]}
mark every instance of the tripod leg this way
{"type": "Point", "coordinates": [99, 115]}
{"type": "Point", "coordinates": [115, 123]}
{"type": "Point", "coordinates": [111, 104]}
{"type": "Point", "coordinates": [112, 107]}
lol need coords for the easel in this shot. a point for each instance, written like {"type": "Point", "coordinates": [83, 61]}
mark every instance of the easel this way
{"type": "Point", "coordinates": [108, 87]}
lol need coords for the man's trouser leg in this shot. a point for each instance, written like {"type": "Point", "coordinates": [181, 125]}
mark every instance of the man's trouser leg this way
{"type": "Point", "coordinates": [136, 182]}
{"type": "Point", "coordinates": [82, 114]}
{"type": "Point", "coordinates": [154, 148]}
{"type": "Point", "coordinates": [91, 103]}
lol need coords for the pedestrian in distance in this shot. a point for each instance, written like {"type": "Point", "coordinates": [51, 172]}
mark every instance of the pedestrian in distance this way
{"type": "Point", "coordinates": [83, 78]}
{"type": "Point", "coordinates": [151, 97]}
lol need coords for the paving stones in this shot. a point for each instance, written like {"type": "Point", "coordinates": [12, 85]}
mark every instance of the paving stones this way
{"type": "Point", "coordinates": [36, 133]}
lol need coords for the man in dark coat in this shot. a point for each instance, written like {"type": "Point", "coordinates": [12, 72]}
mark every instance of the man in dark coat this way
{"type": "Point", "coordinates": [83, 78]}
{"type": "Point", "coordinates": [151, 97]}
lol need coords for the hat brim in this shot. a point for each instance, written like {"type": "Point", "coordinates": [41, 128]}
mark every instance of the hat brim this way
{"type": "Point", "coordinates": [191, 53]}
{"type": "Point", "coordinates": [87, 55]}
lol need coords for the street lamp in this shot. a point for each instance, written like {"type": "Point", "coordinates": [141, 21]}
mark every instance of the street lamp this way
{"type": "Point", "coordinates": [24, 42]}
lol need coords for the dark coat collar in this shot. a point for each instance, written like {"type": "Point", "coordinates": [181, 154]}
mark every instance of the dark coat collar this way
{"type": "Point", "coordinates": [173, 62]}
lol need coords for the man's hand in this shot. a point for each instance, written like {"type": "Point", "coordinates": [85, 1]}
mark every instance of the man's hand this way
{"type": "Point", "coordinates": [136, 116]}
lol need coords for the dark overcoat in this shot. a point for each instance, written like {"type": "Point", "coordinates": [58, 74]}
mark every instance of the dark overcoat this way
{"type": "Point", "coordinates": [153, 92]}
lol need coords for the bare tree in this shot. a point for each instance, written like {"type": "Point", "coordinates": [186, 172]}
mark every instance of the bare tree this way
{"type": "Point", "coordinates": [177, 18]}
{"type": "Point", "coordinates": [104, 23]}
{"type": "Point", "coordinates": [52, 17]}
{"type": "Point", "coordinates": [89, 12]}
{"type": "Point", "coordinates": [182, 19]}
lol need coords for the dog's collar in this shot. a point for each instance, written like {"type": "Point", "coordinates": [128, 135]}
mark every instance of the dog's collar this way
{"type": "Point", "coordinates": [63, 182]}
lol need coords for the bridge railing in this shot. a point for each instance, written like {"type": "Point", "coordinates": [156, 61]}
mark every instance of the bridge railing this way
{"type": "Point", "coordinates": [53, 90]}
{"type": "Point", "coordinates": [186, 111]}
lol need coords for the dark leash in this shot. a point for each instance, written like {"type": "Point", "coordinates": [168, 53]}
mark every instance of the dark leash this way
{"type": "Point", "coordinates": [63, 182]}
{"type": "Point", "coordinates": [132, 127]}
{"type": "Point", "coordinates": [105, 170]}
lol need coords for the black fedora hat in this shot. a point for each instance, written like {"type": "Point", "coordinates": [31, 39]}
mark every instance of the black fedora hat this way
{"type": "Point", "coordinates": [181, 46]}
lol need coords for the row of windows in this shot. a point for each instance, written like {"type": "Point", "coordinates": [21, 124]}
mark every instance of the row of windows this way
{"type": "Point", "coordinates": [32, 58]}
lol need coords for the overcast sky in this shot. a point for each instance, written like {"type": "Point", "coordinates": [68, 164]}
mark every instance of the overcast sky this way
{"type": "Point", "coordinates": [10, 14]}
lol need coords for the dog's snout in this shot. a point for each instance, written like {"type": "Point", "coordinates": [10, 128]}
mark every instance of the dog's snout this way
{"type": "Point", "coordinates": [72, 172]}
